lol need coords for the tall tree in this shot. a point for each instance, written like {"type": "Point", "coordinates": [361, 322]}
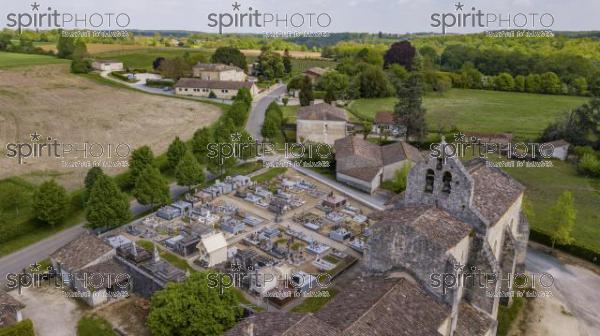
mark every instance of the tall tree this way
{"type": "Point", "coordinates": [50, 203]}
{"type": "Point", "coordinates": [306, 91]}
{"type": "Point", "coordinates": [208, 310]}
{"type": "Point", "coordinates": [287, 62]}
{"type": "Point", "coordinates": [65, 46]}
{"type": "Point", "coordinates": [229, 55]}
{"type": "Point", "coordinates": [200, 141]}
{"type": "Point", "coordinates": [188, 171]}
{"type": "Point", "coordinates": [401, 53]}
{"type": "Point", "coordinates": [409, 109]}
{"type": "Point", "coordinates": [107, 206]}
{"type": "Point", "coordinates": [151, 188]}
{"type": "Point", "coordinates": [563, 216]}
{"type": "Point", "coordinates": [140, 159]}
{"type": "Point", "coordinates": [176, 150]}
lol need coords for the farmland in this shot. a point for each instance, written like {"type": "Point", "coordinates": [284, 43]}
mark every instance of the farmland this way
{"type": "Point", "coordinates": [11, 60]}
{"type": "Point", "coordinates": [50, 101]}
{"type": "Point", "coordinates": [522, 114]}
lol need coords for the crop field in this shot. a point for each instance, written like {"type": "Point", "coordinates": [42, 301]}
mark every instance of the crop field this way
{"type": "Point", "coordinates": [11, 60]}
{"type": "Point", "coordinates": [523, 114]}
{"type": "Point", "coordinates": [76, 110]}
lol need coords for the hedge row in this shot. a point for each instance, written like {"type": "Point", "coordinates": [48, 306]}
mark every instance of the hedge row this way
{"type": "Point", "coordinates": [159, 83]}
{"type": "Point", "coordinates": [576, 250]}
{"type": "Point", "coordinates": [23, 328]}
{"type": "Point", "coordinates": [121, 75]}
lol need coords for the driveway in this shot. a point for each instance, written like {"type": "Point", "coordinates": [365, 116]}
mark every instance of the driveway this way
{"type": "Point", "coordinates": [577, 287]}
{"type": "Point", "coordinates": [259, 106]}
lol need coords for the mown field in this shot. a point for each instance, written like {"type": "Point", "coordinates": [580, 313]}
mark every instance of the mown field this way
{"type": "Point", "coordinates": [524, 115]}
{"type": "Point", "coordinates": [10, 60]}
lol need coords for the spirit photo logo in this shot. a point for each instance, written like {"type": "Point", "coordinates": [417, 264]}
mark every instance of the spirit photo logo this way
{"type": "Point", "coordinates": [42, 17]}
{"type": "Point", "coordinates": [476, 18]}
{"type": "Point", "coordinates": [250, 17]}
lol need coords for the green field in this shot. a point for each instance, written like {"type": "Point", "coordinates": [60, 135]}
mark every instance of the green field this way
{"type": "Point", "coordinates": [8, 60]}
{"type": "Point", "coordinates": [544, 186]}
{"type": "Point", "coordinates": [524, 115]}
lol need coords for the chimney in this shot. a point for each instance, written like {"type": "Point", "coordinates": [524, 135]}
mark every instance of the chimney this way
{"type": "Point", "coordinates": [249, 330]}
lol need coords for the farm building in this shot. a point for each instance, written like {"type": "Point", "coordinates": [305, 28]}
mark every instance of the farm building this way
{"type": "Point", "coordinates": [107, 65]}
{"type": "Point", "coordinates": [322, 123]}
{"type": "Point", "coordinates": [220, 89]}
{"type": "Point", "coordinates": [218, 72]}
{"type": "Point", "coordinates": [560, 149]}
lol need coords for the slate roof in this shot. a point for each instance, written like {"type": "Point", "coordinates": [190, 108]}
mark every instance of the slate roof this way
{"type": "Point", "coordinates": [81, 251]}
{"type": "Point", "coordinates": [211, 84]}
{"type": "Point", "coordinates": [435, 224]}
{"type": "Point", "coordinates": [283, 323]}
{"type": "Point", "coordinates": [377, 306]}
{"type": "Point", "coordinates": [384, 118]}
{"type": "Point", "coordinates": [321, 111]}
{"type": "Point", "coordinates": [559, 143]}
{"type": "Point", "coordinates": [111, 273]}
{"type": "Point", "coordinates": [8, 301]}
{"type": "Point", "coordinates": [495, 191]}
{"type": "Point", "coordinates": [369, 158]}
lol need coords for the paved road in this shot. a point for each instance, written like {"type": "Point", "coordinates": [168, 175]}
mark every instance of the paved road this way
{"type": "Point", "coordinates": [259, 106]}
{"type": "Point", "coordinates": [577, 287]}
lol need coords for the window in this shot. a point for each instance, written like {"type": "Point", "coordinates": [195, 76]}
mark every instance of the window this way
{"type": "Point", "coordinates": [429, 179]}
{"type": "Point", "coordinates": [439, 164]}
{"type": "Point", "coordinates": [447, 182]}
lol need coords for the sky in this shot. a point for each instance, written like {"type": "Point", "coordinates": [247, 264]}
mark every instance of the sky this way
{"type": "Point", "coordinates": [390, 16]}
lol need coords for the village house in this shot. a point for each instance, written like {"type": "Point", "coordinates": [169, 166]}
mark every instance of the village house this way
{"type": "Point", "coordinates": [107, 65]}
{"type": "Point", "coordinates": [314, 73]}
{"type": "Point", "coordinates": [218, 72]}
{"type": "Point", "coordinates": [322, 123]}
{"type": "Point", "coordinates": [364, 165]}
{"type": "Point", "coordinates": [384, 123]}
{"type": "Point", "coordinates": [11, 310]}
{"type": "Point", "coordinates": [221, 89]}
{"type": "Point", "coordinates": [560, 149]}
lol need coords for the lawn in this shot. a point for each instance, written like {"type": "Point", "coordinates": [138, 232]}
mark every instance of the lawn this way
{"type": "Point", "coordinates": [313, 304]}
{"type": "Point", "coordinates": [544, 186]}
{"type": "Point", "coordinates": [93, 325]}
{"type": "Point", "coordinates": [289, 113]}
{"type": "Point", "coordinates": [8, 60]}
{"type": "Point", "coordinates": [523, 114]}
{"type": "Point", "coordinates": [269, 174]}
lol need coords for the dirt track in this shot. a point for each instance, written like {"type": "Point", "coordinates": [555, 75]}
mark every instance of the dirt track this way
{"type": "Point", "coordinates": [73, 109]}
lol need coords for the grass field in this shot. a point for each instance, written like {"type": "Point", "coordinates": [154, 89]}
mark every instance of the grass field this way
{"type": "Point", "coordinates": [93, 325]}
{"type": "Point", "coordinates": [544, 186]}
{"type": "Point", "coordinates": [269, 174]}
{"type": "Point", "coordinates": [10, 60]}
{"type": "Point", "coordinates": [524, 115]}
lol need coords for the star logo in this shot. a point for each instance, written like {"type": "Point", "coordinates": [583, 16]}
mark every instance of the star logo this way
{"type": "Point", "coordinates": [35, 6]}
{"type": "Point", "coordinates": [235, 137]}
{"type": "Point", "coordinates": [35, 136]}
{"type": "Point", "coordinates": [459, 137]}
{"type": "Point", "coordinates": [459, 6]}
{"type": "Point", "coordinates": [35, 267]}
{"type": "Point", "coordinates": [236, 6]}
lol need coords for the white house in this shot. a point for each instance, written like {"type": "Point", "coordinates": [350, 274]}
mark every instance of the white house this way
{"type": "Point", "coordinates": [221, 89]}
{"type": "Point", "coordinates": [107, 65]}
{"type": "Point", "coordinates": [213, 248]}
{"type": "Point", "coordinates": [219, 72]}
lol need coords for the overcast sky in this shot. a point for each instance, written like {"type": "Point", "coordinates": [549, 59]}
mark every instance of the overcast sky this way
{"type": "Point", "coordinates": [397, 16]}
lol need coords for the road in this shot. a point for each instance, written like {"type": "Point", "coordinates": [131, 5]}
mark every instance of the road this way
{"type": "Point", "coordinates": [259, 106]}
{"type": "Point", "coordinates": [577, 287]}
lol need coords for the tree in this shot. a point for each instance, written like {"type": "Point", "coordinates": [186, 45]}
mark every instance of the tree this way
{"type": "Point", "coordinates": [157, 62]}
{"type": "Point", "coordinates": [90, 179]}
{"type": "Point", "coordinates": [520, 83]}
{"type": "Point", "coordinates": [176, 151]}
{"type": "Point", "coordinates": [533, 83]}
{"type": "Point", "coordinates": [372, 82]}
{"type": "Point", "coordinates": [270, 65]}
{"type": "Point", "coordinates": [230, 55]}
{"type": "Point", "coordinates": [287, 61]}
{"type": "Point", "coordinates": [13, 196]}
{"type": "Point", "coordinates": [306, 91]}
{"type": "Point", "coordinates": [65, 46]}
{"type": "Point", "coordinates": [401, 53]}
{"type": "Point", "coordinates": [366, 129]}
{"type": "Point", "coordinates": [550, 83]}
{"type": "Point", "coordinates": [209, 308]}
{"type": "Point", "coordinates": [140, 159]}
{"type": "Point", "coordinates": [174, 68]}
{"type": "Point", "coordinates": [151, 188]}
{"type": "Point", "coordinates": [244, 95]}
{"type": "Point", "coordinates": [270, 129]}
{"type": "Point", "coordinates": [335, 84]}
{"type": "Point", "coordinates": [80, 65]}
{"type": "Point", "coordinates": [409, 108]}
{"type": "Point", "coordinates": [504, 82]}
{"type": "Point", "coordinates": [223, 161]}
{"type": "Point", "coordinates": [107, 206]}
{"type": "Point", "coordinates": [188, 171]}
{"type": "Point", "coordinates": [563, 217]}
{"type": "Point", "coordinates": [200, 141]}
{"type": "Point", "coordinates": [50, 203]}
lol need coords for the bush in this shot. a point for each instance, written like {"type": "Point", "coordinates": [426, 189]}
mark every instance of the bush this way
{"type": "Point", "coordinates": [122, 75]}
{"type": "Point", "coordinates": [23, 328]}
{"type": "Point", "coordinates": [94, 326]}
{"type": "Point", "coordinates": [80, 65]}
{"type": "Point", "coordinates": [589, 165]}
{"type": "Point", "coordinates": [212, 95]}
{"type": "Point", "coordinates": [576, 250]}
{"type": "Point", "coordinates": [159, 83]}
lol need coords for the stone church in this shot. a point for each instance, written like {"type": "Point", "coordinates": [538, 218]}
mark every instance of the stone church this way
{"type": "Point", "coordinates": [463, 221]}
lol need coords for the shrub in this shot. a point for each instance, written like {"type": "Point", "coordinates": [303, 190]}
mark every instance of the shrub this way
{"type": "Point", "coordinates": [212, 95]}
{"type": "Point", "coordinates": [81, 65]}
{"type": "Point", "coordinates": [589, 165]}
{"type": "Point", "coordinates": [159, 83]}
{"type": "Point", "coordinates": [23, 328]}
